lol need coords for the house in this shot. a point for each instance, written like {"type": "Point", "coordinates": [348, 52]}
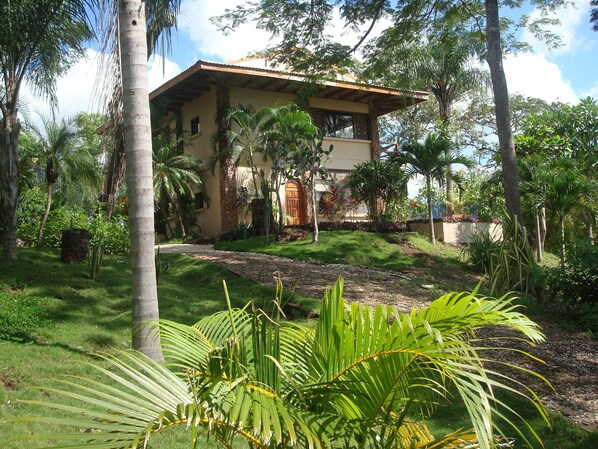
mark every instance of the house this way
{"type": "Point", "coordinates": [195, 101]}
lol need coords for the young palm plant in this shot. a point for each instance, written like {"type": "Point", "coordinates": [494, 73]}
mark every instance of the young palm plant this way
{"type": "Point", "coordinates": [360, 378]}
{"type": "Point", "coordinates": [430, 160]}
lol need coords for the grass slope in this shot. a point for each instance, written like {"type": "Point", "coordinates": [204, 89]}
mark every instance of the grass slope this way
{"type": "Point", "coordinates": [347, 247]}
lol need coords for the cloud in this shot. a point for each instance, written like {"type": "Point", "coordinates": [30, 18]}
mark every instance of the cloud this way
{"type": "Point", "coordinates": [570, 17]}
{"type": "Point", "coordinates": [194, 20]}
{"type": "Point", "coordinates": [535, 76]}
{"type": "Point", "coordinates": [76, 90]}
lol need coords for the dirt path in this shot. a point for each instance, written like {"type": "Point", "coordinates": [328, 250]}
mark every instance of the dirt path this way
{"type": "Point", "coordinates": [571, 358]}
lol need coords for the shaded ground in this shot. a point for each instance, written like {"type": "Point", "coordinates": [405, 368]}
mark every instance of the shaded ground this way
{"type": "Point", "coordinates": [571, 358]}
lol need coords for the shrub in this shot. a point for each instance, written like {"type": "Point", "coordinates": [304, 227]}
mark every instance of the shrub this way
{"type": "Point", "coordinates": [20, 315]}
{"type": "Point", "coordinates": [479, 250]}
{"type": "Point", "coordinates": [578, 283]}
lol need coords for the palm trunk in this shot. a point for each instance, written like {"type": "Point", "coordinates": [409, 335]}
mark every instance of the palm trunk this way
{"type": "Point", "coordinates": [503, 116]}
{"type": "Point", "coordinates": [430, 215]}
{"type": "Point", "coordinates": [543, 226]}
{"type": "Point", "coordinates": [46, 213]}
{"type": "Point", "coordinates": [314, 210]}
{"type": "Point", "coordinates": [538, 237]}
{"type": "Point", "coordinates": [9, 181]}
{"type": "Point", "coordinates": [563, 243]}
{"type": "Point", "coordinates": [138, 152]}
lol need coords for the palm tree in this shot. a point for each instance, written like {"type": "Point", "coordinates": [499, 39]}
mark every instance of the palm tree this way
{"type": "Point", "coordinates": [562, 190]}
{"type": "Point", "coordinates": [124, 34]}
{"type": "Point", "coordinates": [175, 175]}
{"type": "Point", "coordinates": [56, 149]}
{"type": "Point", "coordinates": [443, 66]}
{"type": "Point", "coordinates": [361, 377]}
{"type": "Point", "coordinates": [39, 40]}
{"type": "Point", "coordinates": [246, 138]}
{"type": "Point", "coordinates": [429, 160]}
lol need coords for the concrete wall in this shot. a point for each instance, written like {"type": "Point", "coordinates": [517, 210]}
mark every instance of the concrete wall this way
{"type": "Point", "coordinates": [456, 233]}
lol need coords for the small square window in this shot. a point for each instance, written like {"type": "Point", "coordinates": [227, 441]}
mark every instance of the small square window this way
{"type": "Point", "coordinates": [195, 129]}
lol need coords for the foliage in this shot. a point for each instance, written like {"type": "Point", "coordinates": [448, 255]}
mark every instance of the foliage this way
{"type": "Point", "coordinates": [114, 234]}
{"type": "Point", "coordinates": [480, 250]}
{"type": "Point", "coordinates": [577, 284]}
{"type": "Point", "coordinates": [431, 160]}
{"type": "Point", "coordinates": [175, 177]}
{"type": "Point", "coordinates": [95, 257]}
{"type": "Point", "coordinates": [380, 185]}
{"type": "Point", "coordinates": [336, 203]}
{"type": "Point", "coordinates": [241, 232]}
{"type": "Point", "coordinates": [361, 375]}
{"type": "Point", "coordinates": [512, 265]}
{"type": "Point", "coordinates": [20, 314]}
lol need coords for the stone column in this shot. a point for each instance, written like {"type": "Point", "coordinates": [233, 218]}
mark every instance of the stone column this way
{"type": "Point", "coordinates": [373, 132]}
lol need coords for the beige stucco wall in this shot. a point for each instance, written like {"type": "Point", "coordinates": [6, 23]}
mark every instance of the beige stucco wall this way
{"type": "Point", "coordinates": [456, 233]}
{"type": "Point", "coordinates": [345, 155]}
{"type": "Point", "coordinates": [200, 146]}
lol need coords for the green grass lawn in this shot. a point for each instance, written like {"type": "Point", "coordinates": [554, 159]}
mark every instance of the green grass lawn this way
{"type": "Point", "coordinates": [78, 316]}
{"type": "Point", "coordinates": [348, 247]}
{"type": "Point", "coordinates": [81, 316]}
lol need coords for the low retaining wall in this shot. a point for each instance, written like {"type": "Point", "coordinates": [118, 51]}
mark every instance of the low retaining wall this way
{"type": "Point", "coordinates": [455, 232]}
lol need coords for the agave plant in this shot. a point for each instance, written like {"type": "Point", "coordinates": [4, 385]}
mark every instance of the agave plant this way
{"type": "Point", "coordinates": [361, 377]}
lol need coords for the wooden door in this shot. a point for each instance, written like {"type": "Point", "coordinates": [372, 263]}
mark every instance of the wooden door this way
{"type": "Point", "coordinates": [294, 203]}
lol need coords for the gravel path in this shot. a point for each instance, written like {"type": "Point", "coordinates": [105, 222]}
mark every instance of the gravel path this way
{"type": "Point", "coordinates": [571, 358]}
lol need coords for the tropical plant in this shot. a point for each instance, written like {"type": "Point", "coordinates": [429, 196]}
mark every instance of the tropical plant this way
{"type": "Point", "coordinates": [309, 159]}
{"type": "Point", "coordinates": [360, 378]}
{"type": "Point", "coordinates": [128, 34]}
{"type": "Point", "coordinates": [380, 185]}
{"type": "Point", "coordinates": [480, 250]}
{"type": "Point", "coordinates": [39, 40]}
{"type": "Point", "coordinates": [512, 266]}
{"type": "Point", "coordinates": [55, 150]}
{"type": "Point", "coordinates": [175, 175]}
{"type": "Point", "coordinates": [443, 65]}
{"type": "Point", "coordinates": [430, 160]}
{"type": "Point", "coordinates": [245, 138]}
{"type": "Point", "coordinates": [289, 132]}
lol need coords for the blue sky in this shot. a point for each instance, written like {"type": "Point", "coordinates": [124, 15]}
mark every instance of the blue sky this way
{"type": "Point", "coordinates": [565, 74]}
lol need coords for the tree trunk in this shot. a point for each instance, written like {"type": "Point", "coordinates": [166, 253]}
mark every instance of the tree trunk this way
{"type": "Point", "coordinates": [314, 210]}
{"type": "Point", "coordinates": [227, 168]}
{"type": "Point", "coordinates": [46, 213]}
{"type": "Point", "coordinates": [563, 243]}
{"type": "Point", "coordinates": [138, 152]}
{"type": "Point", "coordinates": [543, 226]}
{"type": "Point", "coordinates": [503, 116]}
{"type": "Point", "coordinates": [430, 215]}
{"type": "Point", "coordinates": [538, 237]}
{"type": "Point", "coordinates": [9, 181]}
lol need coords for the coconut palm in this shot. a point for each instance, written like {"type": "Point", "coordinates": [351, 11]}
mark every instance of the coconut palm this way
{"type": "Point", "coordinates": [360, 378]}
{"type": "Point", "coordinates": [430, 160]}
{"type": "Point", "coordinates": [127, 35]}
{"type": "Point", "coordinates": [55, 149]}
{"type": "Point", "coordinates": [39, 40]}
{"type": "Point", "coordinates": [175, 175]}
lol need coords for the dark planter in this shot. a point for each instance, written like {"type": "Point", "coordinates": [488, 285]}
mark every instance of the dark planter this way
{"type": "Point", "coordinates": [74, 245]}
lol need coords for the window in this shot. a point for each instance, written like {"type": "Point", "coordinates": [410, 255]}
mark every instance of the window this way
{"type": "Point", "coordinates": [195, 126]}
{"type": "Point", "coordinates": [199, 201]}
{"type": "Point", "coordinates": [339, 124]}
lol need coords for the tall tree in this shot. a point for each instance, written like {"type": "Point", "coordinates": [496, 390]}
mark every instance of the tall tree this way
{"type": "Point", "coordinates": [39, 40]}
{"type": "Point", "coordinates": [443, 65]}
{"type": "Point", "coordinates": [430, 160]}
{"type": "Point", "coordinates": [305, 42]}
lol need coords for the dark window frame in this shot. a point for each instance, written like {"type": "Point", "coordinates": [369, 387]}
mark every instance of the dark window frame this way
{"type": "Point", "coordinates": [195, 126]}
